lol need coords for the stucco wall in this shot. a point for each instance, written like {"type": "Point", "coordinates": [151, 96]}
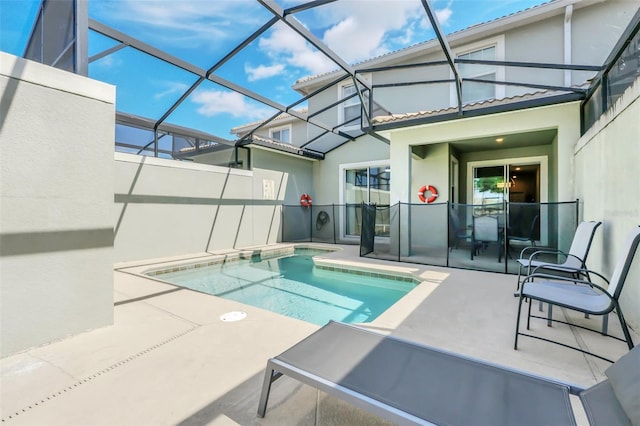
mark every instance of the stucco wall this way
{"type": "Point", "coordinates": [56, 196]}
{"type": "Point", "coordinates": [298, 179]}
{"type": "Point", "coordinates": [326, 173]}
{"type": "Point", "coordinates": [563, 117]}
{"type": "Point", "coordinates": [607, 176]}
{"type": "Point", "coordinates": [498, 154]}
{"type": "Point", "coordinates": [167, 208]}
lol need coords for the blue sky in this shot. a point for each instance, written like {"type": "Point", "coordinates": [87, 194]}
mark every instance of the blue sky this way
{"type": "Point", "coordinates": [203, 31]}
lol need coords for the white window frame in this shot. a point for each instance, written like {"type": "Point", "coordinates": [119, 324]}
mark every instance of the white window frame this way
{"type": "Point", "coordinates": [542, 160]}
{"type": "Point", "coordinates": [279, 129]}
{"type": "Point", "coordinates": [354, 100]}
{"type": "Point", "coordinates": [498, 43]}
{"type": "Point", "coordinates": [341, 191]}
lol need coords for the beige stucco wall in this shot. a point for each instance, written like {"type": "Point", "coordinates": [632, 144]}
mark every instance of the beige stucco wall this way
{"type": "Point", "coordinates": [563, 117]}
{"type": "Point", "coordinates": [298, 179]}
{"type": "Point", "coordinates": [326, 173]}
{"type": "Point", "coordinates": [56, 198]}
{"type": "Point", "coordinates": [607, 177]}
{"type": "Point", "coordinates": [166, 208]}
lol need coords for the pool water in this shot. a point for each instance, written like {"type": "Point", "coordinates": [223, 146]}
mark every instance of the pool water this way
{"type": "Point", "coordinates": [292, 286]}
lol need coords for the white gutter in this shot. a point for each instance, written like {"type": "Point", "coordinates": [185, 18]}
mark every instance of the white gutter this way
{"type": "Point", "coordinates": [568, 12]}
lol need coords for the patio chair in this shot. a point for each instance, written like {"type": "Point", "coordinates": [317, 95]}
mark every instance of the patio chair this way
{"type": "Point", "coordinates": [574, 260]}
{"type": "Point", "coordinates": [485, 230]}
{"type": "Point", "coordinates": [408, 383]}
{"type": "Point", "coordinates": [456, 231]}
{"type": "Point", "coordinates": [530, 238]}
{"type": "Point", "coordinates": [581, 296]}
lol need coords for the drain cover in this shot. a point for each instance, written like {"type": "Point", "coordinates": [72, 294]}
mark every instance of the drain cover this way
{"type": "Point", "coordinates": [233, 316]}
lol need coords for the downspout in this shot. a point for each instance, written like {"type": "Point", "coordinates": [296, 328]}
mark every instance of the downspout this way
{"type": "Point", "coordinates": [568, 12]}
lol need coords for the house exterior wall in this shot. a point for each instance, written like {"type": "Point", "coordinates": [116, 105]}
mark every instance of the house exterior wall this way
{"type": "Point", "coordinates": [167, 208]}
{"type": "Point", "coordinates": [607, 176]}
{"type": "Point", "coordinates": [608, 20]}
{"type": "Point", "coordinates": [56, 198]}
{"type": "Point", "coordinates": [297, 180]}
{"type": "Point", "coordinates": [326, 173]}
{"type": "Point", "coordinates": [297, 127]}
{"type": "Point", "coordinates": [563, 117]}
{"type": "Point", "coordinates": [540, 41]}
{"type": "Point", "coordinates": [499, 154]}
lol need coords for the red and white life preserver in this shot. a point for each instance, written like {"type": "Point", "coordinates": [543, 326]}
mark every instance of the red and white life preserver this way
{"type": "Point", "coordinates": [422, 191]}
{"type": "Point", "coordinates": [305, 200]}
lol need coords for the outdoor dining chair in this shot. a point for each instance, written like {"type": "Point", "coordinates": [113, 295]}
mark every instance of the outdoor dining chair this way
{"type": "Point", "coordinates": [530, 238]}
{"type": "Point", "coordinates": [485, 230]}
{"type": "Point", "coordinates": [574, 260]}
{"type": "Point", "coordinates": [581, 295]}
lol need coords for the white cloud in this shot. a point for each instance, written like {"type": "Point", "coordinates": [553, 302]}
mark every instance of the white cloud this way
{"type": "Point", "coordinates": [216, 102]}
{"type": "Point", "coordinates": [171, 88]}
{"type": "Point", "coordinates": [262, 71]}
{"type": "Point", "coordinates": [203, 22]}
{"type": "Point", "coordinates": [444, 15]}
{"type": "Point", "coordinates": [354, 30]}
{"type": "Point", "coordinates": [108, 62]}
{"type": "Point", "coordinates": [286, 46]}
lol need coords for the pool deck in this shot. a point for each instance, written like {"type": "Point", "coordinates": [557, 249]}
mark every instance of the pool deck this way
{"type": "Point", "coordinates": [169, 359]}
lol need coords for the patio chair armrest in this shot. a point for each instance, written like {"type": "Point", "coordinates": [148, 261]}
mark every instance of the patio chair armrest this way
{"type": "Point", "coordinates": [524, 250]}
{"type": "Point", "coordinates": [531, 277]}
{"type": "Point", "coordinates": [570, 280]}
{"type": "Point", "coordinates": [562, 268]}
{"type": "Point", "coordinates": [538, 252]}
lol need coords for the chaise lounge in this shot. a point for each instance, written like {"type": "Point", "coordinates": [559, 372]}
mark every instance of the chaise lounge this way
{"type": "Point", "coordinates": [409, 383]}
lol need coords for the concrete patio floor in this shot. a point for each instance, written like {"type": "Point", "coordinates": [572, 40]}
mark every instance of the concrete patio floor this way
{"type": "Point", "coordinates": [169, 359]}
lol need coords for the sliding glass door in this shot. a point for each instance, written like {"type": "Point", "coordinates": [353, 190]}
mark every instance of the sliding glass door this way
{"type": "Point", "coordinates": [369, 185]}
{"type": "Point", "coordinates": [511, 189]}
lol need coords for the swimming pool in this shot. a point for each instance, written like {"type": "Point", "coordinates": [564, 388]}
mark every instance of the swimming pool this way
{"type": "Point", "coordinates": [291, 285]}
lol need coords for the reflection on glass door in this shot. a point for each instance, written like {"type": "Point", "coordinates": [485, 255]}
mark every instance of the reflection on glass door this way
{"type": "Point", "coordinates": [367, 185]}
{"type": "Point", "coordinates": [489, 192]}
{"type": "Point", "coordinates": [518, 184]}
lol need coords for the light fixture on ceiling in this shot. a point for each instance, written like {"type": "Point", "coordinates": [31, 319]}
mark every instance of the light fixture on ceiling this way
{"type": "Point", "coordinates": [499, 140]}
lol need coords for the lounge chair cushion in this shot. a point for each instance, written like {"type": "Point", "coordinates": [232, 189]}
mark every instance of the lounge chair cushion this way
{"type": "Point", "coordinates": [624, 377]}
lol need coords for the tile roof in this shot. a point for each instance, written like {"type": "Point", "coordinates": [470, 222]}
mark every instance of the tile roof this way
{"type": "Point", "coordinates": [396, 118]}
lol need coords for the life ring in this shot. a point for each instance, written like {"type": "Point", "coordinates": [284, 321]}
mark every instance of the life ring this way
{"type": "Point", "coordinates": [305, 200]}
{"type": "Point", "coordinates": [424, 189]}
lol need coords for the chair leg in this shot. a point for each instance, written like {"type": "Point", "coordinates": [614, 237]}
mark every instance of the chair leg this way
{"type": "Point", "coordinates": [605, 324]}
{"type": "Point", "coordinates": [550, 315]}
{"type": "Point", "coordinates": [266, 388]}
{"type": "Point", "coordinates": [529, 316]}
{"type": "Point", "coordinates": [625, 329]}
{"type": "Point", "coordinates": [515, 342]}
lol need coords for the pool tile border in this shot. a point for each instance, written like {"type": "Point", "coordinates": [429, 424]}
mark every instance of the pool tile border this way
{"type": "Point", "coordinates": [392, 277]}
{"type": "Point", "coordinates": [263, 253]}
{"type": "Point", "coordinates": [270, 253]}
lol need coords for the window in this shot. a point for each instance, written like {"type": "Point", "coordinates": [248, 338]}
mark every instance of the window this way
{"type": "Point", "coordinates": [350, 107]}
{"type": "Point", "coordinates": [369, 185]}
{"type": "Point", "coordinates": [486, 50]}
{"type": "Point", "coordinates": [472, 91]}
{"type": "Point", "coordinates": [281, 135]}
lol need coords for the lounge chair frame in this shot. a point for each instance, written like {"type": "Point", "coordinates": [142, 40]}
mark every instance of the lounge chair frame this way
{"type": "Point", "coordinates": [378, 400]}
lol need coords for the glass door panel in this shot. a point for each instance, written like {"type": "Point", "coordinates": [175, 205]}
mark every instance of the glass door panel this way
{"type": "Point", "coordinates": [489, 192]}
{"type": "Point", "coordinates": [355, 194]}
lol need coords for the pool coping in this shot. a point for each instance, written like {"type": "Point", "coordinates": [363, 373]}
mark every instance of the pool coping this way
{"type": "Point", "coordinates": [155, 268]}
